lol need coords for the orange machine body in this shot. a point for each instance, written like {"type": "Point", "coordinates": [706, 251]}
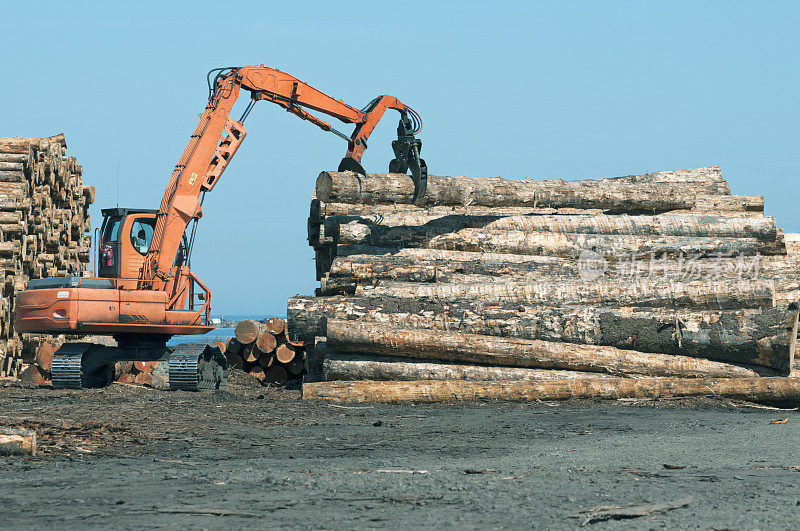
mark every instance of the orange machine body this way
{"type": "Point", "coordinates": [112, 310]}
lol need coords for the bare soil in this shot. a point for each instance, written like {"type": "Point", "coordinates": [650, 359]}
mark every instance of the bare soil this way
{"type": "Point", "coordinates": [126, 457]}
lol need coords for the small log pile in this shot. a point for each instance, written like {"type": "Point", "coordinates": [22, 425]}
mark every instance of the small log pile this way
{"type": "Point", "coordinates": [662, 277]}
{"type": "Point", "coordinates": [265, 351]}
{"type": "Point", "coordinates": [44, 229]}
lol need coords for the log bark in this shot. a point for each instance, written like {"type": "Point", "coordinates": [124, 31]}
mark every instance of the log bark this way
{"type": "Point", "coordinates": [320, 211]}
{"type": "Point", "coordinates": [762, 228]}
{"type": "Point", "coordinates": [348, 187]}
{"type": "Point", "coordinates": [16, 441]}
{"type": "Point", "coordinates": [416, 230]}
{"type": "Point", "coordinates": [430, 266]}
{"type": "Point", "coordinates": [609, 247]}
{"type": "Point", "coordinates": [776, 391]}
{"type": "Point", "coordinates": [350, 366]}
{"type": "Point", "coordinates": [703, 294]}
{"type": "Point", "coordinates": [761, 336]}
{"type": "Point", "coordinates": [376, 339]}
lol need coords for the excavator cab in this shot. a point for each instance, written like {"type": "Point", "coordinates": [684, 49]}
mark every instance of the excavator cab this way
{"type": "Point", "coordinates": [125, 237]}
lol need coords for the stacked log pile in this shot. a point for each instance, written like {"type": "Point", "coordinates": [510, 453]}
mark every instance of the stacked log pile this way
{"type": "Point", "coordinates": [44, 229]}
{"type": "Point", "coordinates": [265, 351]}
{"type": "Point", "coordinates": [662, 275]}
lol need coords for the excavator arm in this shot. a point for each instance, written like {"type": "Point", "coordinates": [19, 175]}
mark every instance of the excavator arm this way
{"type": "Point", "coordinates": [218, 136]}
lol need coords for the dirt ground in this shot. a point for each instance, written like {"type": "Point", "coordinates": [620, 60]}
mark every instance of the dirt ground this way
{"type": "Point", "coordinates": [127, 457]}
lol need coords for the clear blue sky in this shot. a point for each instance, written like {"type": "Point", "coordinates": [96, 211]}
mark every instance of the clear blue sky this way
{"type": "Point", "coordinates": [517, 89]}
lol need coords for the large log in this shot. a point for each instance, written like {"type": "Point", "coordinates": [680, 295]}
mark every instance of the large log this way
{"type": "Point", "coordinates": [656, 293]}
{"type": "Point", "coordinates": [247, 331]}
{"type": "Point", "coordinates": [776, 391]}
{"type": "Point", "coordinates": [376, 339]}
{"type": "Point", "coordinates": [609, 247]}
{"type": "Point", "coordinates": [350, 366]}
{"type": "Point", "coordinates": [405, 230]}
{"type": "Point", "coordinates": [762, 228]}
{"type": "Point", "coordinates": [320, 211]}
{"type": "Point", "coordinates": [349, 187]}
{"type": "Point", "coordinates": [436, 265]}
{"type": "Point", "coordinates": [761, 336]}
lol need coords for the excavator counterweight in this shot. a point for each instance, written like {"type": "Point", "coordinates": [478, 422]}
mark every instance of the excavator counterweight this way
{"type": "Point", "coordinates": [145, 292]}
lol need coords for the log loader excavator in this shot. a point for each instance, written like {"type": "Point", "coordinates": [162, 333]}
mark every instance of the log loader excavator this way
{"type": "Point", "coordinates": [145, 292]}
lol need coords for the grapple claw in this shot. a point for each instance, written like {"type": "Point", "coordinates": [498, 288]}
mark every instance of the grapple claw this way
{"type": "Point", "coordinates": [351, 164]}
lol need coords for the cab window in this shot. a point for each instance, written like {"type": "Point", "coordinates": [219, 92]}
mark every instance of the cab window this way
{"type": "Point", "coordinates": [142, 234]}
{"type": "Point", "coordinates": [112, 230]}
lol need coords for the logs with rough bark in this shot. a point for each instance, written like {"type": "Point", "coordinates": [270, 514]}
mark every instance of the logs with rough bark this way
{"type": "Point", "coordinates": [348, 366]}
{"type": "Point", "coordinates": [647, 293]}
{"type": "Point", "coordinates": [773, 391]}
{"type": "Point", "coordinates": [44, 230]}
{"type": "Point", "coordinates": [618, 195]}
{"type": "Point", "coordinates": [758, 336]}
{"type": "Point", "coordinates": [656, 275]}
{"type": "Point", "coordinates": [376, 339]}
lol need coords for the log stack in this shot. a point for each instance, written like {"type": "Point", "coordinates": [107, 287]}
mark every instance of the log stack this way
{"type": "Point", "coordinates": [44, 229]}
{"type": "Point", "coordinates": [265, 351]}
{"type": "Point", "coordinates": [660, 275]}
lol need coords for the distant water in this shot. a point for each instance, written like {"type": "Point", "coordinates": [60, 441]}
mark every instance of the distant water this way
{"type": "Point", "coordinates": [218, 334]}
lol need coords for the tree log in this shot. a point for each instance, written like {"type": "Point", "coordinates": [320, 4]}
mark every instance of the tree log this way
{"type": "Point", "coordinates": [776, 391]}
{"type": "Point", "coordinates": [432, 265]}
{"type": "Point", "coordinates": [349, 366]}
{"type": "Point", "coordinates": [247, 331]}
{"type": "Point", "coordinates": [349, 187]}
{"type": "Point", "coordinates": [285, 353]}
{"type": "Point", "coordinates": [15, 441]}
{"type": "Point", "coordinates": [761, 336]}
{"type": "Point", "coordinates": [609, 247]}
{"type": "Point", "coordinates": [266, 342]}
{"type": "Point", "coordinates": [376, 339]}
{"type": "Point", "coordinates": [722, 295]}
{"type": "Point", "coordinates": [762, 228]}
{"type": "Point", "coordinates": [275, 325]}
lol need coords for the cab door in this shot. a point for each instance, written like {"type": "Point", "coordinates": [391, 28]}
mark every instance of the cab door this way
{"type": "Point", "coordinates": [135, 237]}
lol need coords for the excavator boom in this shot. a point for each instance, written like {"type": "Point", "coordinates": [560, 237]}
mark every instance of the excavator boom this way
{"type": "Point", "coordinates": [218, 136]}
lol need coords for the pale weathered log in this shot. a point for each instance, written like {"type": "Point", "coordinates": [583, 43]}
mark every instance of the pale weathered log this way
{"type": "Point", "coordinates": [349, 187]}
{"type": "Point", "coordinates": [350, 366]}
{"type": "Point", "coordinates": [376, 339]}
{"type": "Point", "coordinates": [16, 441]}
{"type": "Point", "coordinates": [762, 336]}
{"type": "Point", "coordinates": [320, 211]}
{"type": "Point", "coordinates": [762, 228]}
{"type": "Point", "coordinates": [609, 247]}
{"type": "Point", "coordinates": [435, 265]}
{"type": "Point", "coordinates": [416, 230]}
{"type": "Point", "coordinates": [776, 391]}
{"type": "Point", "coordinates": [700, 294]}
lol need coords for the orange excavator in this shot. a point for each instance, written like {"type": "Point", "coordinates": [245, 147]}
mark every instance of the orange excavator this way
{"type": "Point", "coordinates": [145, 292]}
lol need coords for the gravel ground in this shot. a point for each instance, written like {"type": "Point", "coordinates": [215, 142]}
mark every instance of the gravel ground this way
{"type": "Point", "coordinates": [126, 457]}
